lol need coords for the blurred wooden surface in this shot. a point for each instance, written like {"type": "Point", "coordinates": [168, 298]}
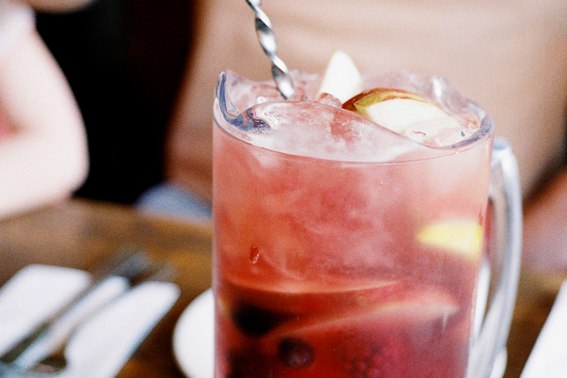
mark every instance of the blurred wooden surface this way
{"type": "Point", "coordinates": [81, 234]}
{"type": "Point", "coordinates": [536, 295]}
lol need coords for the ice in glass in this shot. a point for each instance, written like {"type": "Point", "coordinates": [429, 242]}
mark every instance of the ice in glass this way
{"type": "Point", "coordinates": [343, 248]}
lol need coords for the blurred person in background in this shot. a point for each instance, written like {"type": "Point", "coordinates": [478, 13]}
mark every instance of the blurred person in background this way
{"type": "Point", "coordinates": [43, 155]}
{"type": "Point", "coordinates": [509, 56]}
{"type": "Point", "coordinates": [124, 61]}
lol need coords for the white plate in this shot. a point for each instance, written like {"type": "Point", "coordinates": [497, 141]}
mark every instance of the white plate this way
{"type": "Point", "coordinates": [193, 337]}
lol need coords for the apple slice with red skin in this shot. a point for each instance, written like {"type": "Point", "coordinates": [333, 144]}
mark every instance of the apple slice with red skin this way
{"type": "Point", "coordinates": [401, 111]}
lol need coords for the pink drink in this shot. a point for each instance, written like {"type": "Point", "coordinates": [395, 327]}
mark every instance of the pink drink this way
{"type": "Point", "coordinates": [350, 264]}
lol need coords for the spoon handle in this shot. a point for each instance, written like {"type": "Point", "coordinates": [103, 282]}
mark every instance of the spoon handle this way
{"type": "Point", "coordinates": [267, 39]}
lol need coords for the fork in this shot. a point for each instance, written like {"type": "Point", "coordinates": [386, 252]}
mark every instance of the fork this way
{"type": "Point", "coordinates": [56, 361]}
{"type": "Point", "coordinates": [128, 264]}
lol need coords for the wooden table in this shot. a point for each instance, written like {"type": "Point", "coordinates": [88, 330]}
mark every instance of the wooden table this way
{"type": "Point", "coordinates": [80, 234]}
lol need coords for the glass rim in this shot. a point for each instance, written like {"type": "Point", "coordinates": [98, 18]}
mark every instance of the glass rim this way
{"type": "Point", "coordinates": [226, 114]}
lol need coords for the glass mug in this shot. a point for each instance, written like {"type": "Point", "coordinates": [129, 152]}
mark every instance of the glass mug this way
{"type": "Point", "coordinates": [348, 250]}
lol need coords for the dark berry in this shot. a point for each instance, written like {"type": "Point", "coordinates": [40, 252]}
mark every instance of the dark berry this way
{"type": "Point", "coordinates": [296, 353]}
{"type": "Point", "coordinates": [255, 321]}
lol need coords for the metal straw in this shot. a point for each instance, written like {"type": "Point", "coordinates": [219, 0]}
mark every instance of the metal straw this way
{"type": "Point", "coordinates": [267, 40]}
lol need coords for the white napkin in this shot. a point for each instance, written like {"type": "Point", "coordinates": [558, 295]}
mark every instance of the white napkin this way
{"type": "Point", "coordinates": [549, 357]}
{"type": "Point", "coordinates": [107, 338]}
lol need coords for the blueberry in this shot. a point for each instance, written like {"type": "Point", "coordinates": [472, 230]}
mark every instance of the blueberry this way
{"type": "Point", "coordinates": [296, 353]}
{"type": "Point", "coordinates": [255, 321]}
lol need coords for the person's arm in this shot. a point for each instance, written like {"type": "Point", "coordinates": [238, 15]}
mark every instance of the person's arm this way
{"type": "Point", "coordinates": [45, 158]}
{"type": "Point", "coordinates": [545, 227]}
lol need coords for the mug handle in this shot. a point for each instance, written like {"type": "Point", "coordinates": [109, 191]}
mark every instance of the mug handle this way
{"type": "Point", "coordinates": [501, 267]}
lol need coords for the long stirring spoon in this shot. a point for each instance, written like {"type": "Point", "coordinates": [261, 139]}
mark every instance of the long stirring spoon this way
{"type": "Point", "coordinates": [267, 39]}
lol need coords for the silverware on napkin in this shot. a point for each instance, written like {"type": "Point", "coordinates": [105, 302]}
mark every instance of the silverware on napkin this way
{"type": "Point", "coordinates": [56, 360]}
{"type": "Point", "coordinates": [132, 265]}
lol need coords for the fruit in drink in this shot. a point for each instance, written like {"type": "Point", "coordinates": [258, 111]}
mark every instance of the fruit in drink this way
{"type": "Point", "coordinates": [341, 79]}
{"type": "Point", "coordinates": [461, 237]}
{"type": "Point", "coordinates": [369, 339]}
{"type": "Point", "coordinates": [398, 110]}
{"type": "Point", "coordinates": [406, 113]}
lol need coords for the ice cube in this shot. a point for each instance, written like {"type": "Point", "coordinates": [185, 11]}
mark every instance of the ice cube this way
{"type": "Point", "coordinates": [317, 130]}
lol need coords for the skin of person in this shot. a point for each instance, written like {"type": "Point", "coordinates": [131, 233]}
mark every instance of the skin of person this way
{"type": "Point", "coordinates": [43, 158]}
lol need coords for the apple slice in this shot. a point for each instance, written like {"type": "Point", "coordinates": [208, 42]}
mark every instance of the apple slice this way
{"type": "Point", "coordinates": [460, 237]}
{"type": "Point", "coordinates": [302, 298]}
{"type": "Point", "coordinates": [413, 306]}
{"type": "Point", "coordinates": [341, 79]}
{"type": "Point", "coordinates": [404, 112]}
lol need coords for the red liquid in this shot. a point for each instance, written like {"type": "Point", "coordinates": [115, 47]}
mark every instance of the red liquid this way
{"type": "Point", "coordinates": [320, 270]}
